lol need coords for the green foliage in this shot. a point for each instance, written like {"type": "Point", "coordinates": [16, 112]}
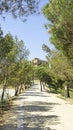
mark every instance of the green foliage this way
{"type": "Point", "coordinates": [60, 71]}
{"type": "Point", "coordinates": [21, 50]}
{"type": "Point", "coordinates": [61, 67]}
{"type": "Point", "coordinates": [6, 44]}
{"type": "Point", "coordinates": [18, 8]}
{"type": "Point", "coordinates": [1, 33]}
{"type": "Point", "coordinates": [43, 75]}
{"type": "Point", "coordinates": [60, 15]}
{"type": "Point", "coordinates": [46, 48]}
{"type": "Point", "coordinates": [15, 70]}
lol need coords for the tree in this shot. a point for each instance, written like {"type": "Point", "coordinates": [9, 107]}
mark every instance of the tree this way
{"type": "Point", "coordinates": [6, 45]}
{"type": "Point", "coordinates": [18, 8]}
{"type": "Point", "coordinates": [63, 70]}
{"type": "Point", "coordinates": [21, 50]}
{"type": "Point", "coordinates": [60, 13]}
{"type": "Point", "coordinates": [60, 71]}
{"type": "Point", "coordinates": [42, 74]}
{"type": "Point", "coordinates": [13, 52]}
{"type": "Point", "coordinates": [17, 75]}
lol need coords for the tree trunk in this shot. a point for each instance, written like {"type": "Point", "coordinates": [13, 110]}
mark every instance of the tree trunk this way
{"type": "Point", "coordinates": [16, 90]}
{"type": "Point", "coordinates": [41, 85]}
{"type": "Point", "coordinates": [4, 88]}
{"type": "Point", "coordinates": [44, 84]}
{"type": "Point", "coordinates": [67, 94]}
{"type": "Point", "coordinates": [2, 96]}
{"type": "Point", "coordinates": [20, 90]}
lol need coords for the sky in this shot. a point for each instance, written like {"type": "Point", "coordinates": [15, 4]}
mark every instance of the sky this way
{"type": "Point", "coordinates": [32, 32]}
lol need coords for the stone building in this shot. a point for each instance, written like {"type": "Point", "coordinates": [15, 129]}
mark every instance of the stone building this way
{"type": "Point", "coordinates": [37, 62]}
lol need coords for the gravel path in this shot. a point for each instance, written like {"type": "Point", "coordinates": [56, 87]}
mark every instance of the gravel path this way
{"type": "Point", "coordinates": [35, 110]}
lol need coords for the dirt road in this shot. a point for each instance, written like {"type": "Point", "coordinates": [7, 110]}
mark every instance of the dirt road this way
{"type": "Point", "coordinates": [35, 110]}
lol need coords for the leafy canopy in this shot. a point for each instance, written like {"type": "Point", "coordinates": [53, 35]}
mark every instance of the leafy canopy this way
{"type": "Point", "coordinates": [60, 15]}
{"type": "Point", "coordinates": [18, 8]}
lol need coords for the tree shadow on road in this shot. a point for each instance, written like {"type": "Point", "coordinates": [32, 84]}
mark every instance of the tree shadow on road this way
{"type": "Point", "coordinates": [31, 93]}
{"type": "Point", "coordinates": [8, 119]}
{"type": "Point", "coordinates": [37, 116]}
{"type": "Point", "coordinates": [8, 127]}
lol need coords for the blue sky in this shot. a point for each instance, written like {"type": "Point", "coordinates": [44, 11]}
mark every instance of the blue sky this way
{"type": "Point", "coordinates": [32, 32]}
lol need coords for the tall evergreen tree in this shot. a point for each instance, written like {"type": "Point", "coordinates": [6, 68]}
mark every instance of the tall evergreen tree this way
{"type": "Point", "coordinates": [60, 15]}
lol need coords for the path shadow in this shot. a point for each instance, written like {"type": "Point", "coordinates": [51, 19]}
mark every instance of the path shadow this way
{"type": "Point", "coordinates": [8, 118]}
{"type": "Point", "coordinates": [36, 118]}
{"type": "Point", "coordinates": [37, 115]}
{"type": "Point", "coordinates": [39, 106]}
{"type": "Point", "coordinates": [31, 93]}
{"type": "Point", "coordinates": [9, 126]}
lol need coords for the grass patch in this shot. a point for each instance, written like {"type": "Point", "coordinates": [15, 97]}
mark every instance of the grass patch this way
{"type": "Point", "coordinates": [61, 92]}
{"type": "Point", "coordinates": [5, 105]}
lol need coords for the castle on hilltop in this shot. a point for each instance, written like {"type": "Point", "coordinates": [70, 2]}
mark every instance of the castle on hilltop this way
{"type": "Point", "coordinates": [37, 62]}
